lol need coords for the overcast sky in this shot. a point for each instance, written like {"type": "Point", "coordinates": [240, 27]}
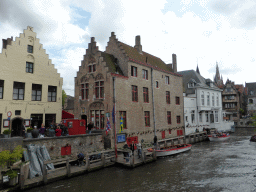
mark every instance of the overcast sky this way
{"type": "Point", "coordinates": [199, 32]}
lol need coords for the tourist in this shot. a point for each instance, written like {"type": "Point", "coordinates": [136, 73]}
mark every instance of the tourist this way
{"type": "Point", "coordinates": [35, 132]}
{"type": "Point", "coordinates": [90, 126]}
{"type": "Point", "coordinates": [132, 147]}
{"type": "Point", "coordinates": [42, 130]}
{"type": "Point", "coordinates": [139, 149]}
{"type": "Point", "coordinates": [126, 153]}
{"type": "Point", "coordinates": [58, 131]}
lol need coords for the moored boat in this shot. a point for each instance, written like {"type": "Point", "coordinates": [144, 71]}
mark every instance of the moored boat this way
{"type": "Point", "coordinates": [222, 137]}
{"type": "Point", "coordinates": [171, 150]}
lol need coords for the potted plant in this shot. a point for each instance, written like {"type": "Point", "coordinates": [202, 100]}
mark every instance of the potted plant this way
{"type": "Point", "coordinates": [28, 134]}
{"type": "Point", "coordinates": [7, 133]}
{"type": "Point", "coordinates": [13, 177]}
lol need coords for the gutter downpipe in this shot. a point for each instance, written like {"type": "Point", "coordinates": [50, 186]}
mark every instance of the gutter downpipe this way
{"type": "Point", "coordinates": [114, 101]}
{"type": "Point", "coordinates": [152, 85]}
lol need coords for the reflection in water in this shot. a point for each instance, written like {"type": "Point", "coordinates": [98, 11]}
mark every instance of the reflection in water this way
{"type": "Point", "coordinates": [209, 166]}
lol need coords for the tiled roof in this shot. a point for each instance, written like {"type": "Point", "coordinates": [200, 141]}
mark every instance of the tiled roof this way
{"type": "Point", "coordinates": [146, 59]}
{"type": "Point", "coordinates": [240, 88]}
{"type": "Point", "coordinates": [110, 60]}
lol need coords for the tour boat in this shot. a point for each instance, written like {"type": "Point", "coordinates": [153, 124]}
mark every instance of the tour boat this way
{"type": "Point", "coordinates": [171, 150]}
{"type": "Point", "coordinates": [223, 137]}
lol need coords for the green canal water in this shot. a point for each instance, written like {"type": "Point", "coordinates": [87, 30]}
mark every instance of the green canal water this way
{"type": "Point", "coordinates": [209, 166]}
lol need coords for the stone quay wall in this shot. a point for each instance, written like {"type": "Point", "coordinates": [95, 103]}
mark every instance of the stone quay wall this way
{"type": "Point", "coordinates": [78, 144]}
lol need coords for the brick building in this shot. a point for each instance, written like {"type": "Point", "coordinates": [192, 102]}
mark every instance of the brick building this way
{"type": "Point", "coordinates": [30, 87]}
{"type": "Point", "coordinates": [147, 93]}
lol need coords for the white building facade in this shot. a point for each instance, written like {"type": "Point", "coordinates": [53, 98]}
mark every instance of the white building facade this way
{"type": "Point", "coordinates": [202, 104]}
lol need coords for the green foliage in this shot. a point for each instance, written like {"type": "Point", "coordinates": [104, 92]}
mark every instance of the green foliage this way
{"type": "Point", "coordinates": [12, 174]}
{"type": "Point", "coordinates": [4, 157]}
{"type": "Point", "coordinates": [29, 130]}
{"type": "Point", "coordinates": [241, 111]}
{"type": "Point", "coordinates": [16, 155]}
{"type": "Point", "coordinates": [12, 157]}
{"type": "Point", "coordinates": [64, 96]}
{"type": "Point", "coordinates": [7, 132]}
{"type": "Point", "coordinates": [253, 118]}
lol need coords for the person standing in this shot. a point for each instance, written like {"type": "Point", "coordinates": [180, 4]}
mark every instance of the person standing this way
{"type": "Point", "coordinates": [58, 131]}
{"type": "Point", "coordinates": [90, 126]}
{"type": "Point", "coordinates": [42, 129]}
{"type": "Point", "coordinates": [23, 128]}
{"type": "Point", "coordinates": [35, 132]}
{"type": "Point", "coordinates": [139, 149]}
{"type": "Point", "coordinates": [132, 147]}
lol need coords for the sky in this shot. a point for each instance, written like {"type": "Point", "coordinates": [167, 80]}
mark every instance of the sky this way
{"type": "Point", "coordinates": [199, 32]}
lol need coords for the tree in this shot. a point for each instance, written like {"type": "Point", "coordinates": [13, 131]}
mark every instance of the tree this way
{"type": "Point", "coordinates": [64, 96]}
{"type": "Point", "coordinates": [253, 118]}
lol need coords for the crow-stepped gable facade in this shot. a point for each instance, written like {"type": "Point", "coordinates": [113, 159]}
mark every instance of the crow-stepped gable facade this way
{"type": "Point", "coordinates": [146, 92]}
{"type": "Point", "coordinates": [30, 87]}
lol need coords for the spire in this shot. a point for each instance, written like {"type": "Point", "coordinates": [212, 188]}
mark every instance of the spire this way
{"type": "Point", "coordinates": [217, 72]}
{"type": "Point", "coordinates": [197, 69]}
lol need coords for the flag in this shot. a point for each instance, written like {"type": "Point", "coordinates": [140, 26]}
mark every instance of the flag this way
{"type": "Point", "coordinates": [108, 126]}
{"type": "Point", "coordinates": [113, 115]}
{"type": "Point", "coordinates": [121, 124]}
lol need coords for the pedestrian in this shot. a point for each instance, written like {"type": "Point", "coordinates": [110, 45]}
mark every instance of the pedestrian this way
{"type": "Point", "coordinates": [42, 130]}
{"type": "Point", "coordinates": [155, 141]}
{"type": "Point", "coordinates": [90, 126]}
{"type": "Point", "coordinates": [23, 128]}
{"type": "Point", "coordinates": [35, 132]}
{"type": "Point", "coordinates": [126, 153]}
{"type": "Point", "coordinates": [139, 149]}
{"type": "Point", "coordinates": [132, 147]}
{"type": "Point", "coordinates": [58, 131]}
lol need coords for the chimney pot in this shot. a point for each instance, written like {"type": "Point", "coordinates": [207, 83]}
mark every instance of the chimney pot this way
{"type": "Point", "coordinates": [138, 45]}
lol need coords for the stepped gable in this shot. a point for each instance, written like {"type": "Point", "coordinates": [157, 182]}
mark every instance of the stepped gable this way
{"type": "Point", "coordinates": [145, 58]}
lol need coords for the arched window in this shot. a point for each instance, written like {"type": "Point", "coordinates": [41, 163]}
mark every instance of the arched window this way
{"type": "Point", "coordinates": [217, 98]}
{"type": "Point", "coordinates": [202, 98]}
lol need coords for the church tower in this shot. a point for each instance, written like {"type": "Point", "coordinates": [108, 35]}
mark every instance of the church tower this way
{"type": "Point", "coordinates": [217, 79]}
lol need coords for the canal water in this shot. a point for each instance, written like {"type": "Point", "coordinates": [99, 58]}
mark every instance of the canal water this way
{"type": "Point", "coordinates": [209, 166]}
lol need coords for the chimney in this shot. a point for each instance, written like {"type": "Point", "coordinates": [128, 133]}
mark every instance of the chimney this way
{"type": "Point", "coordinates": [174, 63]}
{"type": "Point", "coordinates": [138, 46]}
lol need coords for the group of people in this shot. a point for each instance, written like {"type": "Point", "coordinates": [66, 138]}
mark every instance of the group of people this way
{"type": "Point", "coordinates": [132, 148]}
{"type": "Point", "coordinates": [54, 130]}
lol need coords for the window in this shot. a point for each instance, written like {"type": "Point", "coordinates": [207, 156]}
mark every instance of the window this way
{"type": "Point", "coordinates": [208, 99]}
{"type": "Point", "coordinates": [134, 93]}
{"type": "Point", "coordinates": [213, 100]}
{"type": "Point", "coordinates": [36, 92]}
{"type": "Point", "coordinates": [250, 100]}
{"type": "Point", "coordinates": [145, 74]}
{"type": "Point", "coordinates": [206, 116]}
{"type": "Point", "coordinates": [169, 119]}
{"type": "Point", "coordinates": [168, 101]}
{"type": "Point", "coordinates": [123, 115]}
{"type": "Point", "coordinates": [30, 49]}
{"type": "Point", "coordinates": [202, 98]}
{"type": "Point", "coordinates": [133, 71]}
{"type": "Point", "coordinates": [193, 116]}
{"type": "Point", "coordinates": [167, 82]}
{"type": "Point", "coordinates": [178, 119]}
{"type": "Point", "coordinates": [92, 68]}
{"type": "Point", "coordinates": [52, 93]}
{"type": "Point", "coordinates": [177, 100]}
{"type": "Point", "coordinates": [217, 100]}
{"type": "Point", "coordinates": [17, 112]}
{"type": "Point", "coordinates": [29, 67]}
{"type": "Point", "coordinates": [18, 90]}
{"type": "Point", "coordinates": [157, 85]}
{"type": "Point", "coordinates": [85, 91]}
{"type": "Point", "coordinates": [147, 119]}
{"type": "Point", "coordinates": [186, 118]}
{"type": "Point", "coordinates": [145, 94]}
{"type": "Point", "coordinates": [200, 117]}
{"type": "Point", "coordinates": [99, 89]}
{"type": "Point", "coordinates": [216, 116]}
{"type": "Point", "coordinates": [1, 89]}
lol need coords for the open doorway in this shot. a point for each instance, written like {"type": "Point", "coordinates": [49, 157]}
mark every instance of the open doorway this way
{"type": "Point", "coordinates": [16, 127]}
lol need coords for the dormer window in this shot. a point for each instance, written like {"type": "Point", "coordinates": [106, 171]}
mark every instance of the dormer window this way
{"type": "Point", "coordinates": [191, 83]}
{"type": "Point", "coordinates": [92, 68]}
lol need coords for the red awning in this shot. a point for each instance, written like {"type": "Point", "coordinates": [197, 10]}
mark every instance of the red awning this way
{"type": "Point", "coordinates": [67, 115]}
